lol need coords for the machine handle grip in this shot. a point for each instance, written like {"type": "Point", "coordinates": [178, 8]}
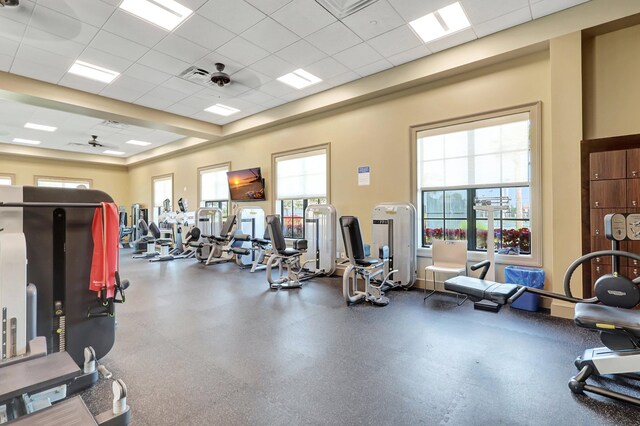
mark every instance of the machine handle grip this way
{"type": "Point", "coordinates": [517, 294]}
{"type": "Point", "coordinates": [485, 264]}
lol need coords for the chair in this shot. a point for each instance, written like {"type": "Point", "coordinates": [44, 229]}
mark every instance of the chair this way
{"type": "Point", "coordinates": [449, 257]}
{"type": "Point", "coordinates": [289, 258]}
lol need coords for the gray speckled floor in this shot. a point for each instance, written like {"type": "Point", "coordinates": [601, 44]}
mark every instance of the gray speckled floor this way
{"type": "Point", "coordinates": [214, 346]}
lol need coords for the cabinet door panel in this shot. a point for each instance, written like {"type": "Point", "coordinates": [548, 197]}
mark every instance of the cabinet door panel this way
{"type": "Point", "coordinates": [633, 193]}
{"type": "Point", "coordinates": [609, 194]}
{"type": "Point", "coordinates": [597, 220]}
{"type": "Point", "coordinates": [633, 163]}
{"type": "Point", "coordinates": [608, 165]}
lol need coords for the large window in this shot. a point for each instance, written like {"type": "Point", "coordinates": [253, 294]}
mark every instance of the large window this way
{"type": "Point", "coordinates": [6, 179]}
{"type": "Point", "coordinates": [214, 188]}
{"type": "Point", "coordinates": [301, 179]}
{"type": "Point", "coordinates": [492, 157]}
{"type": "Point", "coordinates": [162, 190]}
{"type": "Point", "coordinates": [63, 182]}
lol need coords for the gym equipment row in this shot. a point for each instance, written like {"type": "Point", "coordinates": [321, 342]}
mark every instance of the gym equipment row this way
{"type": "Point", "coordinates": [55, 329]}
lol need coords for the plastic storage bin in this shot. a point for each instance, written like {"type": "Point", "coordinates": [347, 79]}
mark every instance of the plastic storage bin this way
{"type": "Point", "coordinates": [530, 277]}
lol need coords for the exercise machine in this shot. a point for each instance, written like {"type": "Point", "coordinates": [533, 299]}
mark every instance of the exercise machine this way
{"type": "Point", "coordinates": [251, 224]}
{"type": "Point", "coordinates": [145, 240]}
{"type": "Point", "coordinates": [208, 222]}
{"type": "Point", "coordinates": [262, 251]}
{"type": "Point", "coordinates": [610, 312]}
{"type": "Point", "coordinates": [394, 226]}
{"type": "Point", "coordinates": [371, 270]}
{"type": "Point", "coordinates": [164, 243]}
{"type": "Point", "coordinates": [222, 248]}
{"type": "Point", "coordinates": [126, 232]}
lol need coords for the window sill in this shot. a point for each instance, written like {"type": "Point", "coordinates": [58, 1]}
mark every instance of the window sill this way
{"type": "Point", "coordinates": [500, 259]}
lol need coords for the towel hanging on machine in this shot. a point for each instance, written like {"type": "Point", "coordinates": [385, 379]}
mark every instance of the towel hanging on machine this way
{"type": "Point", "coordinates": [106, 259]}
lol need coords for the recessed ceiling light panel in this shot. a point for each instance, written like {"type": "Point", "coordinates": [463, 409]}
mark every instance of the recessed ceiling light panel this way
{"type": "Point", "coordinates": [442, 22]}
{"type": "Point", "coordinates": [166, 14]}
{"type": "Point", "coordinates": [27, 141]}
{"type": "Point", "coordinates": [222, 110]}
{"type": "Point", "coordinates": [299, 79]}
{"type": "Point", "coordinates": [112, 152]}
{"type": "Point", "coordinates": [138, 143]}
{"type": "Point", "coordinates": [40, 127]}
{"type": "Point", "coordinates": [93, 72]}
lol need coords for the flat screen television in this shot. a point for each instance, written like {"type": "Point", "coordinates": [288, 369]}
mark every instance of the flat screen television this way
{"type": "Point", "coordinates": [246, 185]}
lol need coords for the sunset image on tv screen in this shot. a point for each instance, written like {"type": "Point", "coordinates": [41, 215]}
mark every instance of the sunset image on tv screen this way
{"type": "Point", "coordinates": [246, 184]}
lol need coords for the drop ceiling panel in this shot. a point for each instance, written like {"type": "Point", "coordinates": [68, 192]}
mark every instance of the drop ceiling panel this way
{"type": "Point", "coordinates": [153, 102]}
{"type": "Point", "coordinates": [128, 26]}
{"type": "Point", "coordinates": [167, 94]}
{"type": "Point", "coordinates": [414, 9]}
{"type": "Point", "coordinates": [303, 17]}
{"type": "Point", "coordinates": [250, 78]}
{"type": "Point", "coordinates": [11, 30]}
{"type": "Point", "coordinates": [242, 51]}
{"type": "Point", "coordinates": [20, 14]}
{"type": "Point", "coordinates": [373, 20]}
{"type": "Point", "coordinates": [395, 41]}
{"type": "Point", "coordinates": [236, 16]}
{"type": "Point", "coordinates": [94, 12]}
{"type": "Point", "coordinates": [118, 46]}
{"type": "Point", "coordinates": [38, 71]}
{"type": "Point", "coordinates": [81, 83]}
{"type": "Point", "coordinates": [409, 55]}
{"type": "Point", "coordinates": [374, 68]}
{"type": "Point", "coordinates": [547, 7]}
{"type": "Point", "coordinates": [273, 67]}
{"type": "Point", "coordinates": [358, 56]}
{"type": "Point", "coordinates": [181, 48]}
{"type": "Point", "coordinates": [183, 86]}
{"type": "Point", "coordinates": [327, 68]}
{"type": "Point", "coordinates": [105, 60]}
{"type": "Point", "coordinates": [163, 62]}
{"type": "Point", "coordinates": [5, 62]}
{"type": "Point", "coordinates": [145, 73]}
{"type": "Point", "coordinates": [455, 39]}
{"type": "Point", "coordinates": [301, 53]}
{"type": "Point", "coordinates": [481, 11]}
{"type": "Point", "coordinates": [334, 38]}
{"type": "Point", "coordinates": [47, 41]}
{"type": "Point", "coordinates": [503, 22]}
{"type": "Point", "coordinates": [270, 35]}
{"type": "Point", "coordinates": [268, 6]}
{"type": "Point", "coordinates": [201, 31]}
{"type": "Point", "coordinates": [9, 48]}
{"type": "Point", "coordinates": [56, 23]}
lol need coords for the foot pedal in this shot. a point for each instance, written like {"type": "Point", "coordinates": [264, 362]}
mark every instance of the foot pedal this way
{"type": "Point", "coordinates": [485, 305]}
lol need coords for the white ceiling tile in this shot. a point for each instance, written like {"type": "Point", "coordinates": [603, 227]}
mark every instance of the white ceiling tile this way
{"type": "Point", "coordinates": [207, 116]}
{"type": "Point", "coordinates": [121, 93]}
{"type": "Point", "coordinates": [257, 97]}
{"type": "Point", "coordinates": [126, 82]}
{"type": "Point", "coordinates": [547, 7]}
{"type": "Point", "coordinates": [303, 17]}
{"type": "Point", "coordinates": [293, 96]}
{"type": "Point", "coordinates": [343, 78]}
{"type": "Point", "coordinates": [236, 15]}
{"type": "Point", "coordinates": [118, 46]}
{"type": "Point", "coordinates": [5, 62]}
{"type": "Point", "coordinates": [301, 53]}
{"type": "Point", "coordinates": [204, 32]}
{"type": "Point", "coordinates": [274, 102]}
{"type": "Point", "coordinates": [164, 63]}
{"type": "Point", "coordinates": [503, 22]}
{"type": "Point", "coordinates": [268, 6]}
{"type": "Point", "coordinates": [167, 94]}
{"type": "Point", "coordinates": [273, 67]}
{"type": "Point", "coordinates": [153, 102]}
{"type": "Point", "coordinates": [242, 51]}
{"type": "Point", "coordinates": [145, 73]}
{"type": "Point", "coordinates": [182, 109]}
{"type": "Point", "coordinates": [414, 9]}
{"type": "Point", "coordinates": [181, 48]}
{"type": "Point", "coordinates": [452, 40]}
{"type": "Point", "coordinates": [197, 102]}
{"type": "Point", "coordinates": [81, 83]}
{"type": "Point", "coordinates": [374, 68]}
{"type": "Point", "coordinates": [409, 55]}
{"type": "Point", "coordinates": [105, 60]}
{"type": "Point", "coordinates": [483, 10]}
{"type": "Point", "coordinates": [93, 13]}
{"type": "Point", "coordinates": [250, 78]}
{"type": "Point", "coordinates": [44, 57]}
{"type": "Point", "coordinates": [373, 20]}
{"type": "Point", "coordinates": [20, 14]}
{"type": "Point", "coordinates": [358, 56]}
{"type": "Point", "coordinates": [9, 47]}
{"type": "Point", "coordinates": [183, 86]}
{"type": "Point", "coordinates": [270, 35]}
{"type": "Point", "coordinates": [61, 25]}
{"type": "Point", "coordinates": [193, 4]}
{"type": "Point", "coordinates": [52, 43]}
{"type": "Point", "coordinates": [227, 92]}
{"type": "Point", "coordinates": [134, 29]}
{"type": "Point", "coordinates": [395, 41]}
{"type": "Point", "coordinates": [326, 68]}
{"type": "Point", "coordinates": [276, 88]}
{"type": "Point", "coordinates": [11, 30]}
{"type": "Point", "coordinates": [334, 38]}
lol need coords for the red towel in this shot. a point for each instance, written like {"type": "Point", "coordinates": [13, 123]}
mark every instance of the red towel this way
{"type": "Point", "coordinates": [106, 259]}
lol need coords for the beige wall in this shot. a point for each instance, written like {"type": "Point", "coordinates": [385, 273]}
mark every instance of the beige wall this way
{"type": "Point", "coordinates": [110, 179]}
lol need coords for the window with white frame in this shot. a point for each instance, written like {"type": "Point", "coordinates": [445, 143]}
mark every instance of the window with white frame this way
{"type": "Point", "coordinates": [301, 180]}
{"type": "Point", "coordinates": [214, 188]}
{"type": "Point", "coordinates": [162, 190]}
{"type": "Point", "coordinates": [485, 157]}
{"type": "Point", "coordinates": [62, 182]}
{"type": "Point", "coordinates": [6, 179]}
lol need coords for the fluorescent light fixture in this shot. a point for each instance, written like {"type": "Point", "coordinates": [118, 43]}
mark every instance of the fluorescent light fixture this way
{"type": "Point", "coordinates": [40, 127]}
{"type": "Point", "coordinates": [109, 151]}
{"type": "Point", "coordinates": [29, 141]}
{"type": "Point", "coordinates": [94, 72]}
{"type": "Point", "coordinates": [139, 143]}
{"type": "Point", "coordinates": [299, 79]}
{"type": "Point", "coordinates": [222, 110]}
{"type": "Point", "coordinates": [442, 22]}
{"type": "Point", "coordinates": [167, 14]}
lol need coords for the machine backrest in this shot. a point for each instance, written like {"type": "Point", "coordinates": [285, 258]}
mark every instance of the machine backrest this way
{"type": "Point", "coordinates": [352, 237]}
{"type": "Point", "coordinates": [142, 226]}
{"type": "Point", "coordinates": [449, 252]}
{"type": "Point", "coordinates": [275, 232]}
{"type": "Point", "coordinates": [228, 225]}
{"type": "Point", "coordinates": [123, 218]}
{"type": "Point", "coordinates": [155, 231]}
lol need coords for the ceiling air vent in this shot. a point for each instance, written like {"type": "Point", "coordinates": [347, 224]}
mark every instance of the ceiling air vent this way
{"type": "Point", "coordinates": [197, 75]}
{"type": "Point", "coordinates": [343, 8]}
{"type": "Point", "coordinates": [114, 124]}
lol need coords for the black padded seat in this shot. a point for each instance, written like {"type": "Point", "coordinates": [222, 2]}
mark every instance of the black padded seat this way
{"type": "Point", "coordinates": [590, 316]}
{"type": "Point", "coordinates": [367, 261]}
{"type": "Point", "coordinates": [262, 241]}
{"type": "Point", "coordinates": [288, 252]}
{"type": "Point", "coordinates": [481, 289]}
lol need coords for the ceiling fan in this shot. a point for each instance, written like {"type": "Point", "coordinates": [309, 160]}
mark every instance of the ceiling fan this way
{"type": "Point", "coordinates": [94, 143]}
{"type": "Point", "coordinates": [9, 3]}
{"type": "Point", "coordinates": [217, 78]}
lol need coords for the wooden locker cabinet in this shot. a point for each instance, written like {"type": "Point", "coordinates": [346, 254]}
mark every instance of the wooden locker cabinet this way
{"type": "Point", "coordinates": [633, 163]}
{"type": "Point", "coordinates": [599, 270]}
{"type": "Point", "coordinates": [597, 220]}
{"type": "Point", "coordinates": [609, 194]}
{"type": "Point", "coordinates": [633, 193]}
{"type": "Point", "coordinates": [631, 272]}
{"type": "Point", "coordinates": [608, 165]}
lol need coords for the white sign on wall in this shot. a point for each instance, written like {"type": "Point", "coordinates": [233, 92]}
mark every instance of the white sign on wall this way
{"type": "Point", "coordinates": [364, 175]}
